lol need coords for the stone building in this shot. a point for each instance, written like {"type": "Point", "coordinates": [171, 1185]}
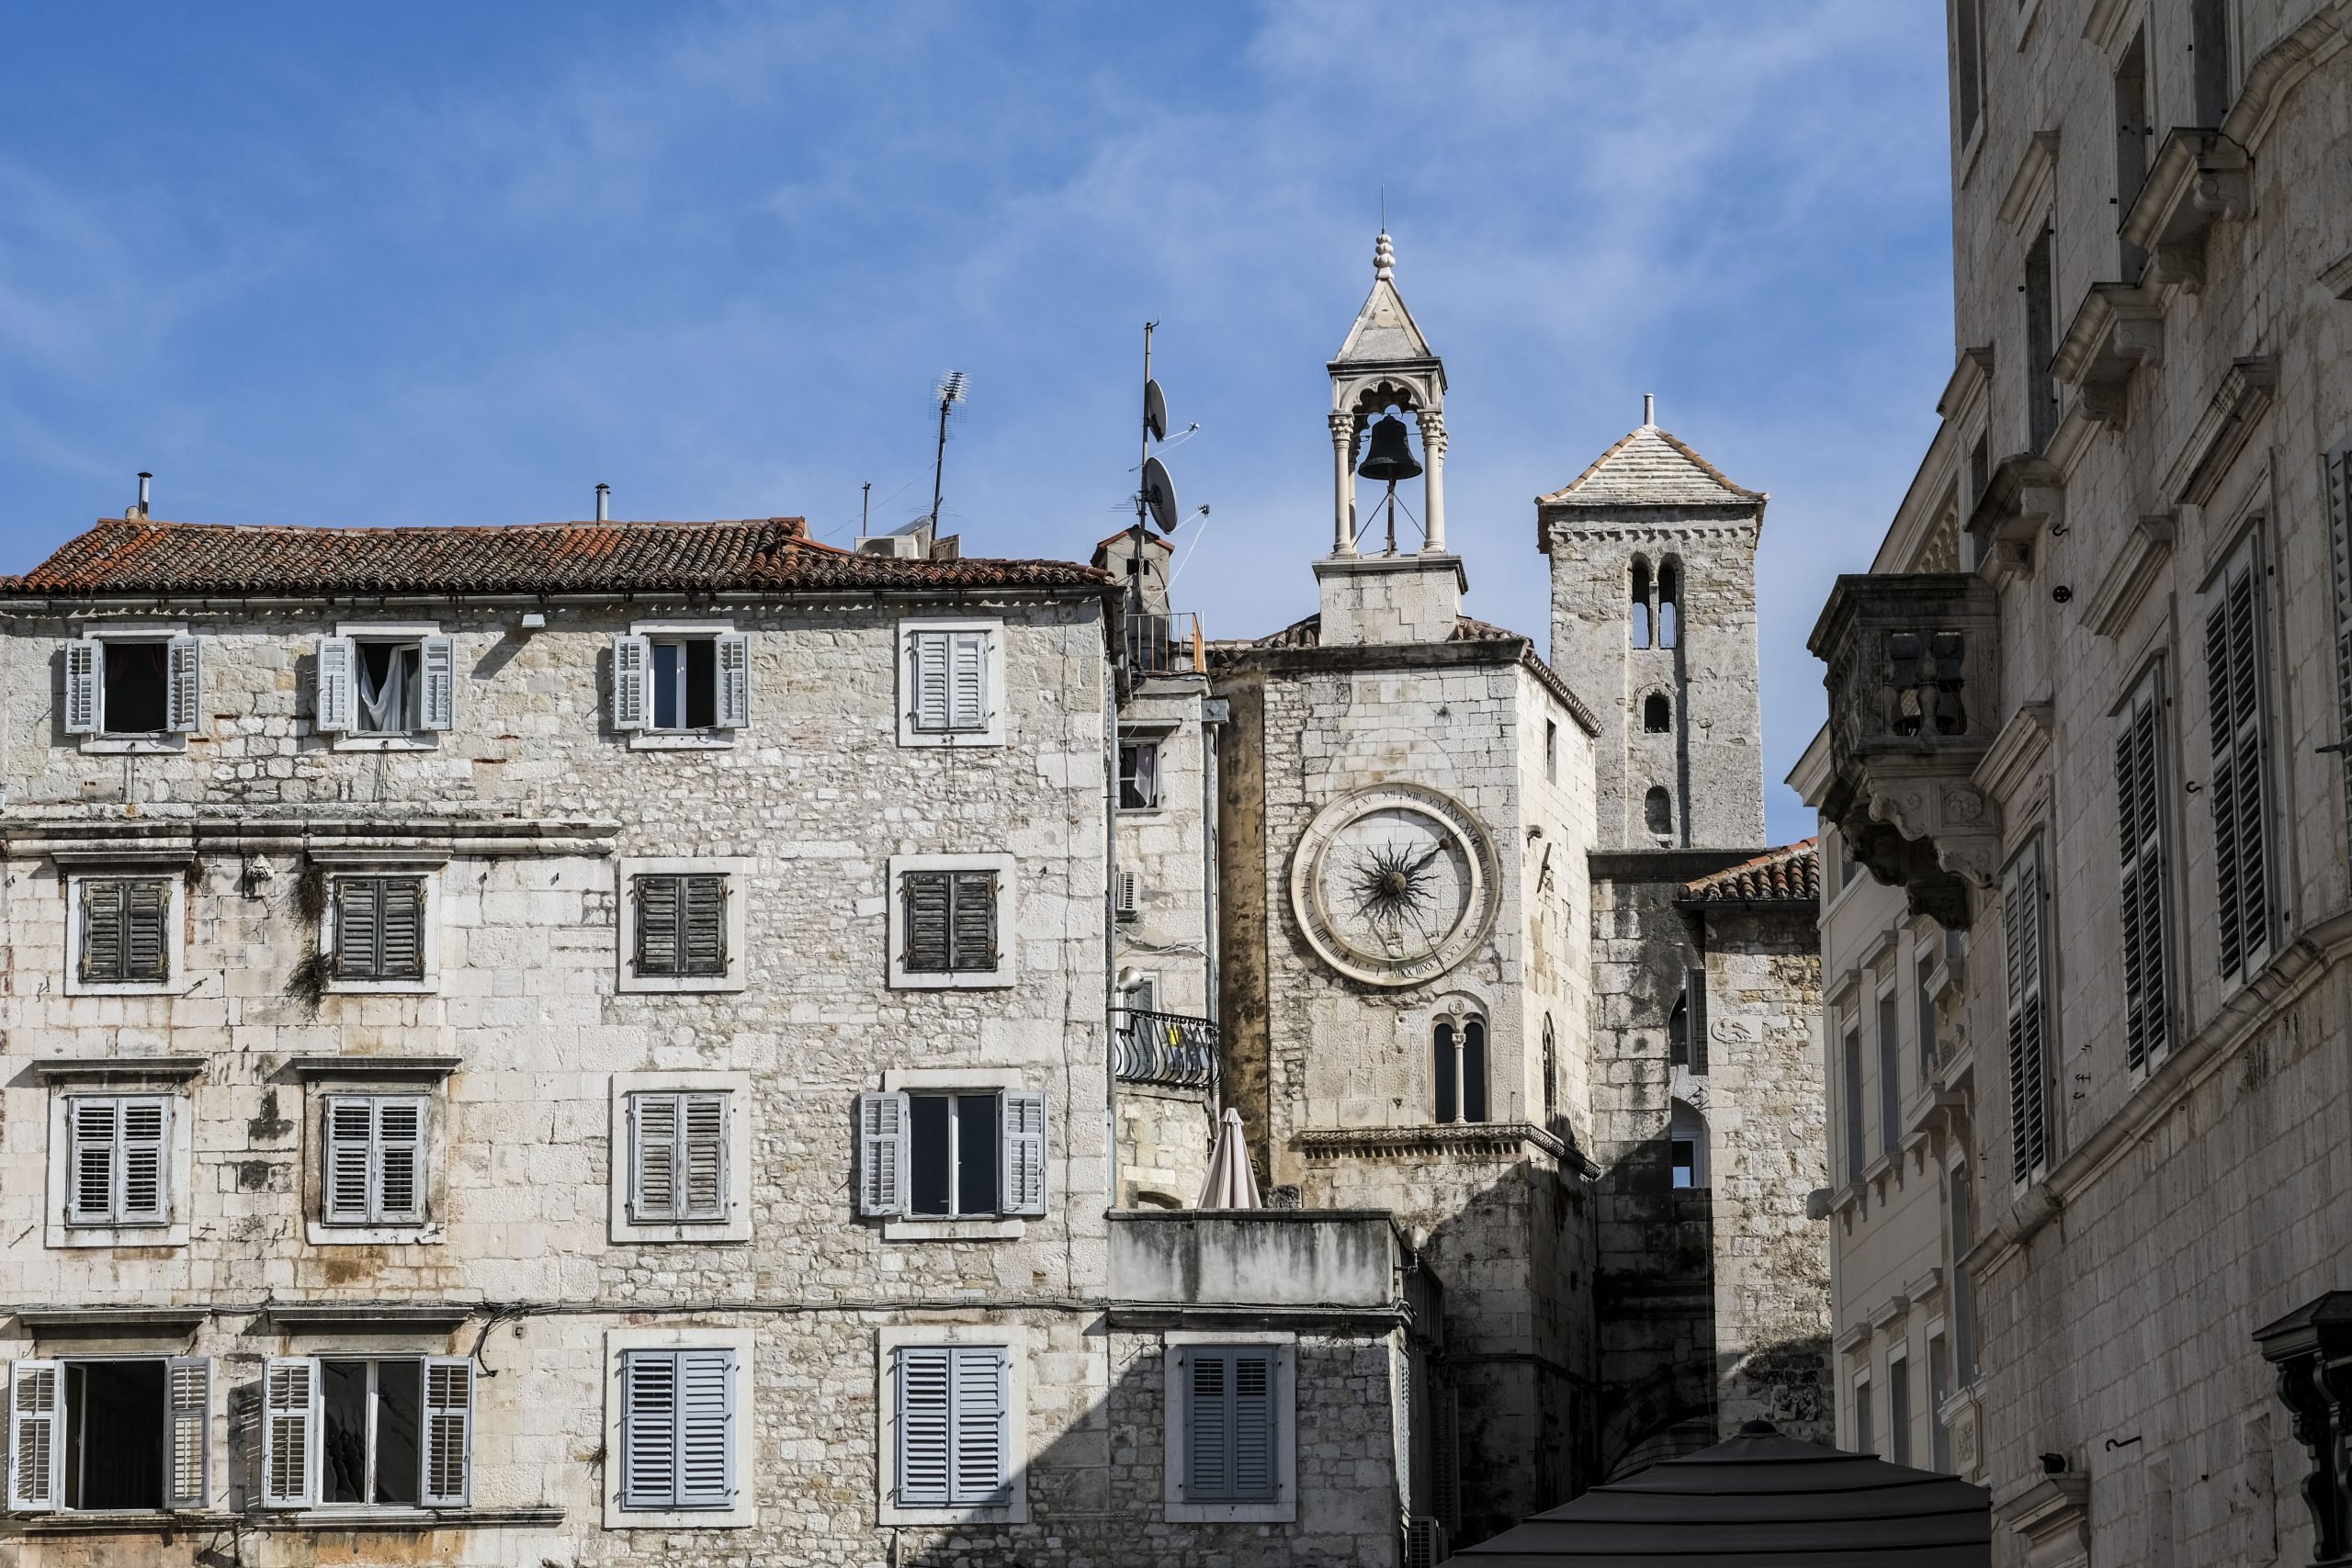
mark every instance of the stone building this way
{"type": "Point", "coordinates": [2088, 712]}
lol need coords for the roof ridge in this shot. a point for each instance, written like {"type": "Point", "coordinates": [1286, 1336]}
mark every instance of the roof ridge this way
{"type": "Point", "coordinates": [1680, 447]}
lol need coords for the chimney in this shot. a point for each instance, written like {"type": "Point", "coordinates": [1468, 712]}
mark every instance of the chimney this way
{"type": "Point", "coordinates": [143, 478]}
{"type": "Point", "coordinates": [603, 497]}
{"type": "Point", "coordinates": [1649, 410]}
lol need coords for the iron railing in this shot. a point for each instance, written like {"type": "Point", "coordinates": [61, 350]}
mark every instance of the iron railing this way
{"type": "Point", "coordinates": [1165, 1048]}
{"type": "Point", "coordinates": [1163, 644]}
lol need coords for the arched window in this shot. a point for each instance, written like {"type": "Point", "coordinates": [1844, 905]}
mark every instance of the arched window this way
{"type": "Point", "coordinates": [1685, 1145]}
{"type": "Point", "coordinates": [1551, 1074]}
{"type": "Point", "coordinates": [1658, 713]}
{"type": "Point", "coordinates": [1458, 1070]}
{"type": "Point", "coordinates": [1677, 1034]}
{"type": "Point", "coordinates": [1641, 602]}
{"type": "Point", "coordinates": [1657, 812]}
{"type": "Point", "coordinates": [1669, 603]}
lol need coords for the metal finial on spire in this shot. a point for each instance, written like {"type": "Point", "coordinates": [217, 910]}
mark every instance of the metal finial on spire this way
{"type": "Point", "coordinates": [1384, 256]}
{"type": "Point", "coordinates": [1649, 411]}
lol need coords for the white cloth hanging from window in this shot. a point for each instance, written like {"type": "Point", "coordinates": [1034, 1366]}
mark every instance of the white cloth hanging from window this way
{"type": "Point", "coordinates": [384, 698]}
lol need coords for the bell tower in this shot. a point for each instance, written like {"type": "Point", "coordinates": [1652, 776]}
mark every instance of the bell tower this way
{"type": "Point", "coordinates": [1384, 375]}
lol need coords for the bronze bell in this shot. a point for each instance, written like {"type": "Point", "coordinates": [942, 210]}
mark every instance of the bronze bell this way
{"type": "Point", "coordinates": [1391, 457]}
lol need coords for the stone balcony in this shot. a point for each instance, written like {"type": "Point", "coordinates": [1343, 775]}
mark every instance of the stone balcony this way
{"type": "Point", "coordinates": [1913, 689]}
{"type": "Point", "coordinates": [1196, 1266]}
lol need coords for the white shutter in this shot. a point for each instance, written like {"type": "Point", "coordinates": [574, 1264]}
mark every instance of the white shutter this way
{"type": "Point", "coordinates": [399, 1161]}
{"type": "Point", "coordinates": [2024, 949]}
{"type": "Point", "coordinates": [968, 679]}
{"type": "Point", "coordinates": [438, 662]}
{"type": "Point", "coordinates": [290, 1426]}
{"type": "Point", "coordinates": [184, 689]}
{"type": "Point", "coordinates": [927, 662]}
{"type": "Point", "coordinates": [981, 1473]}
{"type": "Point", "coordinates": [705, 1428]}
{"type": "Point", "coordinates": [734, 681]}
{"type": "Point", "coordinates": [188, 1431]}
{"type": "Point", "coordinates": [350, 1137]}
{"type": "Point", "coordinates": [2234, 656]}
{"type": "Point", "coordinates": [338, 657]}
{"type": "Point", "coordinates": [36, 1434]}
{"type": "Point", "coordinates": [648, 1458]}
{"type": "Point", "coordinates": [925, 1447]}
{"type": "Point", "coordinates": [449, 1455]}
{"type": "Point", "coordinates": [653, 1158]}
{"type": "Point", "coordinates": [881, 1154]}
{"type": "Point", "coordinates": [702, 1167]}
{"type": "Point", "coordinates": [93, 1155]}
{"type": "Point", "coordinates": [85, 674]}
{"type": "Point", "coordinates": [632, 677]}
{"type": "Point", "coordinates": [142, 1196]}
{"type": "Point", "coordinates": [1025, 1152]}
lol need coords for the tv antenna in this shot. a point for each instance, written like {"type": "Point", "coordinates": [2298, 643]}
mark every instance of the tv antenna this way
{"type": "Point", "coordinates": [950, 392]}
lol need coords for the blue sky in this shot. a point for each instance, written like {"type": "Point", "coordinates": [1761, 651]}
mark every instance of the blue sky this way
{"type": "Point", "coordinates": [452, 264]}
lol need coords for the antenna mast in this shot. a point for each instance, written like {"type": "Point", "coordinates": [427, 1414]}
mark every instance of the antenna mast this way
{"type": "Point", "coordinates": [951, 393]}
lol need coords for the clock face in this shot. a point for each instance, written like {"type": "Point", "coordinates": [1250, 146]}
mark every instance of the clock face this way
{"type": "Point", "coordinates": [1393, 885]}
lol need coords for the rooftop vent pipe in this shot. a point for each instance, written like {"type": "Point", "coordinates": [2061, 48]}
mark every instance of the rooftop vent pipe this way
{"type": "Point", "coordinates": [143, 478]}
{"type": "Point", "coordinates": [603, 497]}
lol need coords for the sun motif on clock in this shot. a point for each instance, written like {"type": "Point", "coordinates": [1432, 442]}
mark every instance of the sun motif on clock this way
{"type": "Point", "coordinates": [1393, 885]}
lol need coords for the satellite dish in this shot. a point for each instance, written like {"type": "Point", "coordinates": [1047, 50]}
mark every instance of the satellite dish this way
{"type": "Point", "coordinates": [1160, 494]}
{"type": "Point", "coordinates": [1155, 410]}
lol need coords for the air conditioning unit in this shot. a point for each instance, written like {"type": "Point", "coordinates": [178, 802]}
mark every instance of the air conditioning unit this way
{"type": "Point", "coordinates": [1424, 1542]}
{"type": "Point", "coordinates": [1126, 904]}
{"type": "Point", "coordinates": [898, 546]}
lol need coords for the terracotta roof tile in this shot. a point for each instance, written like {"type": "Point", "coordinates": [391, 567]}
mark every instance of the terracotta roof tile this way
{"type": "Point", "coordinates": [765, 554]}
{"type": "Point", "coordinates": [1790, 874]}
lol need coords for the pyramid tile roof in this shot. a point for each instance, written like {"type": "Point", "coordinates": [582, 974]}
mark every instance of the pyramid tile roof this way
{"type": "Point", "coordinates": [1651, 468]}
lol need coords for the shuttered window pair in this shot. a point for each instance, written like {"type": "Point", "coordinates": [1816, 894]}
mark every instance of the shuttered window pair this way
{"type": "Point", "coordinates": [677, 1429]}
{"type": "Point", "coordinates": [1231, 1425]}
{"type": "Point", "coordinates": [947, 681]}
{"type": "Point", "coordinates": [951, 921]}
{"type": "Point", "coordinates": [389, 1433]}
{"type": "Point", "coordinates": [681, 683]}
{"type": "Point", "coordinates": [375, 1159]}
{"type": "Point", "coordinates": [945, 1154]}
{"type": "Point", "coordinates": [387, 685]}
{"type": "Point", "coordinates": [954, 1426]}
{"type": "Point", "coordinates": [117, 1158]}
{"type": "Point", "coordinates": [2142, 840]}
{"type": "Point", "coordinates": [2240, 787]}
{"type": "Point", "coordinates": [2026, 952]}
{"type": "Point", "coordinates": [379, 928]}
{"type": "Point", "coordinates": [62, 1415]}
{"type": "Point", "coordinates": [125, 933]}
{"type": "Point", "coordinates": [681, 925]}
{"type": "Point", "coordinates": [677, 1157]}
{"type": "Point", "coordinates": [127, 686]}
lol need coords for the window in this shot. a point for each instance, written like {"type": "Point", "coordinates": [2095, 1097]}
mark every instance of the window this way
{"type": "Point", "coordinates": [1890, 1077]}
{"type": "Point", "coordinates": [949, 916]}
{"type": "Point", "coordinates": [1657, 812]}
{"type": "Point", "coordinates": [1231, 1429]}
{"type": "Point", "coordinates": [1853, 1106]}
{"type": "Point", "coordinates": [1938, 1391]}
{"type": "Point", "coordinates": [1641, 623]}
{"type": "Point", "coordinates": [2040, 342]}
{"type": "Point", "coordinates": [145, 686]}
{"type": "Point", "coordinates": [1551, 1074]}
{"type": "Point", "coordinates": [2339, 518]}
{"type": "Point", "coordinates": [2240, 787]}
{"type": "Point", "coordinates": [678, 1157]}
{"type": "Point", "coordinates": [1964, 1289]}
{"type": "Point", "coordinates": [1898, 1409]}
{"type": "Point", "coordinates": [1669, 604]}
{"type": "Point", "coordinates": [1551, 751]}
{"type": "Point", "coordinates": [1139, 775]}
{"type": "Point", "coordinates": [2133, 128]}
{"type": "Point", "coordinates": [1923, 1002]}
{"type": "Point", "coordinates": [147, 1418]}
{"type": "Point", "coordinates": [677, 1452]}
{"type": "Point", "coordinates": [953, 1447]}
{"type": "Point", "coordinates": [1686, 1026]}
{"type": "Point", "coordinates": [1658, 713]}
{"type": "Point", "coordinates": [681, 925]}
{"type": "Point", "coordinates": [1458, 1070]}
{"type": "Point", "coordinates": [374, 1170]}
{"type": "Point", "coordinates": [2140, 797]}
{"type": "Point", "coordinates": [1865, 1438]}
{"type": "Point", "coordinates": [2209, 45]}
{"type": "Point", "coordinates": [681, 681]}
{"type": "Point", "coordinates": [1686, 1138]}
{"type": "Point", "coordinates": [945, 1154]}
{"type": "Point", "coordinates": [1968, 65]}
{"type": "Point", "coordinates": [2026, 950]}
{"type": "Point", "coordinates": [391, 1432]}
{"type": "Point", "coordinates": [379, 930]}
{"type": "Point", "coordinates": [387, 682]}
{"type": "Point", "coordinates": [124, 929]}
{"type": "Point", "coordinates": [951, 675]}
{"type": "Point", "coordinates": [118, 1160]}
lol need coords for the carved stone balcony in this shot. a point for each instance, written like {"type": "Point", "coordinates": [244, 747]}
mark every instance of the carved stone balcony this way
{"type": "Point", "coordinates": [1914, 685]}
{"type": "Point", "coordinates": [2198, 177]}
{"type": "Point", "coordinates": [2118, 329]}
{"type": "Point", "coordinates": [1164, 1049]}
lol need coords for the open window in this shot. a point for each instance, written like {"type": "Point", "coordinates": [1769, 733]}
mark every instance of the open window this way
{"type": "Point", "coordinates": [1686, 1143]}
{"type": "Point", "coordinates": [1139, 774]}
{"type": "Point", "coordinates": [387, 683]}
{"type": "Point", "coordinates": [1641, 608]}
{"type": "Point", "coordinates": [947, 1153]}
{"type": "Point", "coordinates": [366, 1432]}
{"type": "Point", "coordinates": [675, 683]}
{"type": "Point", "coordinates": [111, 1434]}
{"type": "Point", "coordinates": [1658, 713]}
{"type": "Point", "coordinates": [1669, 604]}
{"type": "Point", "coordinates": [132, 686]}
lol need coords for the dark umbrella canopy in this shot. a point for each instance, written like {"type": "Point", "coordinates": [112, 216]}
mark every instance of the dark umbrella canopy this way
{"type": "Point", "coordinates": [1759, 1500]}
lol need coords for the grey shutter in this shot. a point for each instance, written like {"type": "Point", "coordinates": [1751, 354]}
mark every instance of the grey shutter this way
{"type": "Point", "coordinates": [706, 1465]}
{"type": "Point", "coordinates": [1890, 1077]}
{"type": "Point", "coordinates": [437, 667]}
{"type": "Point", "coordinates": [973, 929]}
{"type": "Point", "coordinates": [2140, 838]}
{"type": "Point", "coordinates": [93, 1153]}
{"type": "Point", "coordinates": [968, 681]}
{"type": "Point", "coordinates": [981, 1473]}
{"type": "Point", "coordinates": [188, 1431]}
{"type": "Point", "coordinates": [657, 924]}
{"type": "Point", "coordinates": [881, 1154]}
{"type": "Point", "coordinates": [925, 1411]}
{"type": "Point", "coordinates": [184, 694]}
{"type": "Point", "coordinates": [927, 671]}
{"type": "Point", "coordinates": [702, 934]}
{"type": "Point", "coordinates": [1255, 1472]}
{"type": "Point", "coordinates": [2021, 931]}
{"type": "Point", "coordinates": [1208, 1426]}
{"type": "Point", "coordinates": [703, 1168]}
{"type": "Point", "coordinates": [2241, 849]}
{"type": "Point", "coordinates": [85, 674]}
{"type": "Point", "coordinates": [399, 928]}
{"type": "Point", "coordinates": [338, 699]}
{"type": "Point", "coordinates": [447, 1480]}
{"type": "Point", "coordinates": [1025, 1152]}
{"type": "Point", "coordinates": [350, 1138]}
{"type": "Point", "coordinates": [653, 1158]}
{"type": "Point", "coordinates": [143, 1127]}
{"type": "Point", "coordinates": [927, 898]}
{"type": "Point", "coordinates": [289, 1424]}
{"type": "Point", "coordinates": [1853, 1108]}
{"type": "Point", "coordinates": [146, 909]}
{"type": "Point", "coordinates": [1694, 994]}
{"type": "Point", "coordinates": [1230, 1426]}
{"type": "Point", "coordinates": [2339, 522]}
{"type": "Point", "coordinates": [649, 1456]}
{"type": "Point", "coordinates": [358, 909]}
{"type": "Point", "coordinates": [632, 679]}
{"type": "Point", "coordinates": [36, 1434]}
{"type": "Point", "coordinates": [399, 1161]}
{"type": "Point", "coordinates": [734, 658]}
{"type": "Point", "coordinates": [102, 946]}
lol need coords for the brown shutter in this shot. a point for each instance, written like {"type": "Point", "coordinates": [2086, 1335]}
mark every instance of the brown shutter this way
{"type": "Point", "coordinates": [400, 927]}
{"type": "Point", "coordinates": [927, 905]}
{"type": "Point", "coordinates": [356, 910]}
{"type": "Point", "coordinates": [144, 953]}
{"type": "Point", "coordinates": [703, 936]}
{"type": "Point", "coordinates": [973, 920]}
{"type": "Point", "coordinates": [102, 931]}
{"type": "Point", "coordinates": [657, 924]}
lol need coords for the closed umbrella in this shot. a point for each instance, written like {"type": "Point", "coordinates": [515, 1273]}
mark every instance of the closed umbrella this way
{"type": "Point", "coordinates": [1231, 1183]}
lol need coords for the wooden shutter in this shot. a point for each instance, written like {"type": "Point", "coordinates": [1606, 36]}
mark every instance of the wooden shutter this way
{"type": "Point", "coordinates": [2141, 843]}
{"type": "Point", "coordinates": [706, 1465]}
{"type": "Point", "coordinates": [928, 901]}
{"type": "Point", "coordinates": [102, 932]}
{"type": "Point", "coordinates": [146, 909]}
{"type": "Point", "coordinates": [2021, 931]}
{"type": "Point", "coordinates": [1025, 1152]}
{"type": "Point", "coordinates": [2339, 524]}
{"type": "Point", "coordinates": [1255, 1460]}
{"type": "Point", "coordinates": [632, 679]}
{"type": "Point", "coordinates": [1208, 1426]}
{"type": "Point", "coordinates": [1695, 996]}
{"type": "Point", "coordinates": [290, 1426]}
{"type": "Point", "coordinates": [653, 1156]}
{"type": "Point", "coordinates": [703, 1168]}
{"type": "Point", "coordinates": [927, 670]}
{"type": "Point", "coordinates": [649, 1429]}
{"type": "Point", "coordinates": [734, 655]}
{"type": "Point", "coordinates": [2241, 849]}
{"type": "Point", "coordinates": [358, 911]}
{"type": "Point", "coordinates": [93, 1154]}
{"type": "Point", "coordinates": [448, 1444]}
{"type": "Point", "coordinates": [437, 668]}
{"type": "Point", "coordinates": [399, 928]}
{"type": "Point", "coordinates": [188, 1431]}
{"type": "Point", "coordinates": [184, 689]}
{"type": "Point", "coordinates": [973, 926]}
{"type": "Point", "coordinates": [36, 1434]}
{"type": "Point", "coordinates": [1855, 1158]}
{"type": "Point", "coordinates": [968, 681]}
{"type": "Point", "coordinates": [925, 1411]}
{"type": "Point", "coordinates": [702, 935]}
{"type": "Point", "coordinates": [400, 1160]}
{"type": "Point", "coordinates": [338, 690]}
{"type": "Point", "coordinates": [85, 674]}
{"type": "Point", "coordinates": [657, 898]}
{"type": "Point", "coordinates": [980, 1475]}
{"type": "Point", "coordinates": [350, 1137]}
{"type": "Point", "coordinates": [881, 1154]}
{"type": "Point", "coordinates": [144, 1126]}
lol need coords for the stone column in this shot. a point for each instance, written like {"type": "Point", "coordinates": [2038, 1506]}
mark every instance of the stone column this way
{"type": "Point", "coordinates": [1433, 422]}
{"type": "Point", "coordinates": [1343, 484]}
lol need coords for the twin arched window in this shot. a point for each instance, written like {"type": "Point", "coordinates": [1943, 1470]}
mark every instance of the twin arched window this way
{"type": "Point", "coordinates": [1657, 604]}
{"type": "Point", "coordinates": [1458, 1068]}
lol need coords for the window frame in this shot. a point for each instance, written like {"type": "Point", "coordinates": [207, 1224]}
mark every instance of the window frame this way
{"type": "Point", "coordinates": [741, 1114]}
{"type": "Point", "coordinates": [738, 871]}
{"type": "Point", "coordinates": [991, 729]}
{"type": "Point", "coordinates": [1010, 1220]}
{"type": "Point", "coordinates": [1012, 1341]}
{"type": "Point", "coordinates": [173, 875]}
{"type": "Point", "coordinates": [1176, 1408]}
{"type": "Point", "coordinates": [375, 1230]}
{"type": "Point", "coordinates": [305, 1374]}
{"type": "Point", "coordinates": [2031, 1158]}
{"type": "Point", "coordinates": [1139, 741]}
{"type": "Point", "coordinates": [1005, 973]}
{"type": "Point", "coordinates": [61, 1231]}
{"type": "Point", "coordinates": [2141, 725]}
{"type": "Point", "coordinates": [731, 712]}
{"type": "Point", "coordinates": [182, 711]}
{"type": "Point", "coordinates": [1448, 1058]}
{"type": "Point", "coordinates": [346, 734]}
{"type": "Point", "coordinates": [183, 1419]}
{"type": "Point", "coordinates": [2246, 558]}
{"type": "Point", "coordinates": [744, 1433]}
{"type": "Point", "coordinates": [338, 870]}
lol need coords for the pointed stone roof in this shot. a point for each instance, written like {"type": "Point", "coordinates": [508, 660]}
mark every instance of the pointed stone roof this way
{"type": "Point", "coordinates": [1385, 330]}
{"type": "Point", "coordinates": [1650, 467]}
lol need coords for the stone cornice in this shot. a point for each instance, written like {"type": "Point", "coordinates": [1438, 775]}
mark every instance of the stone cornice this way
{"type": "Point", "coordinates": [1492, 1140]}
{"type": "Point", "coordinates": [2131, 572]}
{"type": "Point", "coordinates": [2222, 431]}
{"type": "Point", "coordinates": [2030, 185]}
{"type": "Point", "coordinates": [2023, 741]}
